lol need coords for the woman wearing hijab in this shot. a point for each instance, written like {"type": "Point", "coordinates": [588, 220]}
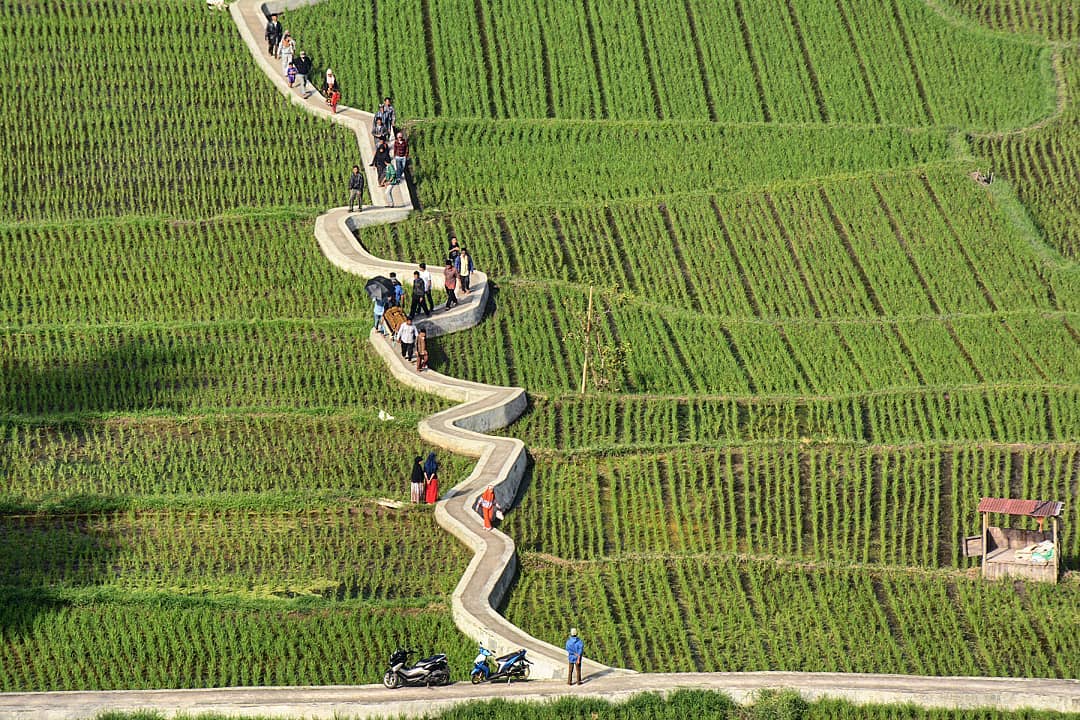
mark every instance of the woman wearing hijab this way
{"type": "Point", "coordinates": [431, 478]}
{"type": "Point", "coordinates": [417, 480]}
{"type": "Point", "coordinates": [488, 505]}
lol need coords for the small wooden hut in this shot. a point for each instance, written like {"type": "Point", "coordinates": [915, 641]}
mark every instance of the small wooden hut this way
{"type": "Point", "coordinates": [1034, 554]}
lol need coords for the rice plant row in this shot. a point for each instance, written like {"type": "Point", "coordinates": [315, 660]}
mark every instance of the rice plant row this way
{"type": "Point", "coordinates": [288, 364]}
{"type": "Point", "coordinates": [724, 614]}
{"type": "Point", "coordinates": [1054, 19]}
{"type": "Point", "coordinates": [86, 642]}
{"type": "Point", "coordinates": [522, 163]}
{"type": "Point", "coordinates": [1043, 165]}
{"type": "Point", "coordinates": [159, 127]}
{"type": "Point", "coordinates": [622, 422]}
{"type": "Point", "coordinates": [231, 460]}
{"type": "Point", "coordinates": [730, 61]}
{"type": "Point", "coordinates": [258, 267]}
{"type": "Point", "coordinates": [337, 552]}
{"type": "Point", "coordinates": [901, 506]}
{"type": "Point", "coordinates": [909, 244]}
{"type": "Point", "coordinates": [673, 352]}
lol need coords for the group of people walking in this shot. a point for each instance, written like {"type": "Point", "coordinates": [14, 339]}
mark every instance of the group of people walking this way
{"type": "Point", "coordinates": [424, 480]}
{"type": "Point", "coordinates": [296, 66]}
{"type": "Point", "coordinates": [391, 156]}
{"type": "Point", "coordinates": [458, 270]}
{"type": "Point", "coordinates": [389, 160]}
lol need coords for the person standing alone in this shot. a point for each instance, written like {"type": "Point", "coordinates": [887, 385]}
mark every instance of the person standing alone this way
{"type": "Point", "coordinates": [273, 35]}
{"type": "Point", "coordinates": [575, 649]}
{"type": "Point", "coordinates": [356, 188]}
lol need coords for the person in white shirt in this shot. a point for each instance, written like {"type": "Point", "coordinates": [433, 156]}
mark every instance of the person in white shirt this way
{"type": "Point", "coordinates": [426, 277]}
{"type": "Point", "coordinates": [406, 335]}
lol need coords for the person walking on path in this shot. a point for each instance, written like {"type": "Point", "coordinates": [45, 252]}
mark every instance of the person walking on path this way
{"type": "Point", "coordinates": [303, 69]}
{"type": "Point", "coordinates": [421, 351]}
{"type": "Point", "coordinates": [381, 161]}
{"type": "Point", "coordinates": [399, 292]}
{"type": "Point", "coordinates": [418, 296]}
{"type": "Point", "coordinates": [273, 35]}
{"type": "Point", "coordinates": [575, 649]}
{"type": "Point", "coordinates": [450, 278]}
{"type": "Point", "coordinates": [488, 506]}
{"type": "Point", "coordinates": [388, 115]}
{"type": "Point", "coordinates": [416, 480]}
{"type": "Point", "coordinates": [465, 269]}
{"type": "Point", "coordinates": [379, 131]}
{"type": "Point", "coordinates": [391, 180]}
{"type": "Point", "coordinates": [290, 74]}
{"type": "Point", "coordinates": [406, 335]}
{"type": "Point", "coordinates": [286, 50]}
{"type": "Point", "coordinates": [426, 277]}
{"type": "Point", "coordinates": [453, 250]}
{"type": "Point", "coordinates": [379, 310]}
{"type": "Point", "coordinates": [431, 477]}
{"type": "Point", "coordinates": [401, 154]}
{"type": "Point", "coordinates": [356, 189]}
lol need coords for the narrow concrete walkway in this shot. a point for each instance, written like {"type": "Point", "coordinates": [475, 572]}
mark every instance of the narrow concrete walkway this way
{"type": "Point", "coordinates": [375, 701]}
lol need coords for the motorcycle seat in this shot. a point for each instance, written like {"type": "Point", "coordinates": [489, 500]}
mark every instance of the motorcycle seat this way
{"type": "Point", "coordinates": [509, 655]}
{"type": "Point", "coordinates": [433, 658]}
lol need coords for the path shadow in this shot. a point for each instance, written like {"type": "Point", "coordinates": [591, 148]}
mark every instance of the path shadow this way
{"type": "Point", "coordinates": [51, 545]}
{"type": "Point", "coordinates": [127, 375]}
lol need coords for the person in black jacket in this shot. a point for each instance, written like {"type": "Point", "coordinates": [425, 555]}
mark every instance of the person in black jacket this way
{"type": "Point", "coordinates": [356, 188]}
{"type": "Point", "coordinates": [303, 68]}
{"type": "Point", "coordinates": [273, 35]}
{"type": "Point", "coordinates": [416, 480]}
{"type": "Point", "coordinates": [381, 160]}
{"type": "Point", "coordinates": [419, 289]}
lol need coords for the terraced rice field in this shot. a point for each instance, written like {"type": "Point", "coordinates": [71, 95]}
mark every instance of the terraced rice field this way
{"type": "Point", "coordinates": [834, 341]}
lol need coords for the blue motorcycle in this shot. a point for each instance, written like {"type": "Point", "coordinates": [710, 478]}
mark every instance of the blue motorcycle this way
{"type": "Point", "coordinates": [514, 666]}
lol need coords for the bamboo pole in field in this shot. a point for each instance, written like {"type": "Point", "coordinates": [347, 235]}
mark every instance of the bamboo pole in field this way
{"type": "Point", "coordinates": [588, 332]}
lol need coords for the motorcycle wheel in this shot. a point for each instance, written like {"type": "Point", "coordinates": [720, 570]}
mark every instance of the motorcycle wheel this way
{"type": "Point", "coordinates": [442, 678]}
{"type": "Point", "coordinates": [525, 673]}
{"type": "Point", "coordinates": [391, 679]}
{"type": "Point", "coordinates": [477, 678]}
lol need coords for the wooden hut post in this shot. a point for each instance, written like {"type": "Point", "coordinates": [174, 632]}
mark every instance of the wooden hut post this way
{"type": "Point", "coordinates": [985, 523]}
{"type": "Point", "coordinates": [1057, 549]}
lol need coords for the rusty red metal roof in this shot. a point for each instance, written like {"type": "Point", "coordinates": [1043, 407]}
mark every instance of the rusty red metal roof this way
{"type": "Point", "coordinates": [1032, 508]}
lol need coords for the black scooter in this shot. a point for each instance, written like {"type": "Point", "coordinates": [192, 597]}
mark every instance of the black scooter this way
{"type": "Point", "coordinates": [433, 670]}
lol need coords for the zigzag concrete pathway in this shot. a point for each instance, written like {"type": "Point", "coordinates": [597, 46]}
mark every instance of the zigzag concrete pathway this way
{"type": "Point", "coordinates": [501, 461]}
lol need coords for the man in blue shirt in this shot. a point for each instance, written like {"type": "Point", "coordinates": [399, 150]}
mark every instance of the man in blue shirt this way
{"type": "Point", "coordinates": [574, 650]}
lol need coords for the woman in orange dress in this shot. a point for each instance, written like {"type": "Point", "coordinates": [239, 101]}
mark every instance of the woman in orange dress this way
{"type": "Point", "coordinates": [488, 505]}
